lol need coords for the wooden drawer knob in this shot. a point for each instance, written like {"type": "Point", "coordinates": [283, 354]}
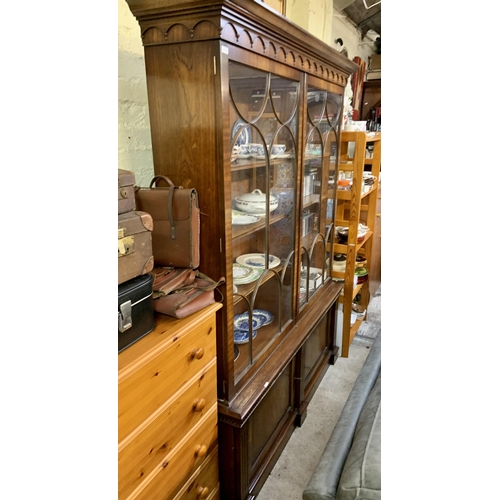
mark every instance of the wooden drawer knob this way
{"type": "Point", "coordinates": [198, 405]}
{"type": "Point", "coordinates": [201, 451]}
{"type": "Point", "coordinates": [202, 492]}
{"type": "Point", "coordinates": [197, 353]}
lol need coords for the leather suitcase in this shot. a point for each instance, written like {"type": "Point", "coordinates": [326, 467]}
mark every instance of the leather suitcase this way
{"type": "Point", "coordinates": [176, 216]}
{"type": "Point", "coordinates": [135, 247]}
{"type": "Point", "coordinates": [135, 310]}
{"type": "Point", "coordinates": [126, 191]}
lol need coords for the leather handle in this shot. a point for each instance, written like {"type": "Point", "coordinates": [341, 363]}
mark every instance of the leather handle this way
{"type": "Point", "coordinates": [156, 178]}
{"type": "Point", "coordinates": [170, 201]}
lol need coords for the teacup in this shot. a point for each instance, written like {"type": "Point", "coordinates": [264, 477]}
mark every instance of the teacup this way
{"type": "Point", "coordinates": [278, 149]}
{"type": "Point", "coordinates": [257, 149]}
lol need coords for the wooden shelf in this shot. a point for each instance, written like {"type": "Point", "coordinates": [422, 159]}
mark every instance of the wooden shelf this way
{"type": "Point", "coordinates": [341, 248]}
{"type": "Point", "coordinates": [354, 207]}
{"type": "Point", "coordinates": [240, 231]}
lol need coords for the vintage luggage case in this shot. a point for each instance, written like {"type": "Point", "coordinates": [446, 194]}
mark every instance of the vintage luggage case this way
{"type": "Point", "coordinates": [135, 310]}
{"type": "Point", "coordinates": [135, 247]}
{"type": "Point", "coordinates": [176, 216]}
{"type": "Point", "coordinates": [126, 191]}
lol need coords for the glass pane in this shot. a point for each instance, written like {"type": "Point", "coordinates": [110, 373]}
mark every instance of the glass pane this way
{"type": "Point", "coordinates": [316, 101]}
{"type": "Point", "coordinates": [333, 108]}
{"type": "Point", "coordinates": [323, 112]}
{"type": "Point", "coordinates": [249, 91]}
{"type": "Point", "coordinates": [263, 116]}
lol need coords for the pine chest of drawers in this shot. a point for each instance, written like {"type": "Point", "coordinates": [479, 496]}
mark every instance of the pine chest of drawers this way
{"type": "Point", "coordinates": [167, 412]}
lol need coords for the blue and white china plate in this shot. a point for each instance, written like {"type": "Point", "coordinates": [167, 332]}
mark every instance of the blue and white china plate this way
{"type": "Point", "coordinates": [241, 322]}
{"type": "Point", "coordinates": [242, 336]}
{"type": "Point", "coordinates": [260, 318]}
{"type": "Point", "coordinates": [245, 137]}
{"type": "Point", "coordinates": [265, 316]}
{"type": "Point", "coordinates": [258, 260]}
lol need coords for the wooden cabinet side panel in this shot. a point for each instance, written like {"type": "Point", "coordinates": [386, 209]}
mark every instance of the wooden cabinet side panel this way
{"type": "Point", "coordinates": [183, 103]}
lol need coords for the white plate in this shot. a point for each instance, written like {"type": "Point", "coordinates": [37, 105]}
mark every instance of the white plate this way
{"type": "Point", "coordinates": [244, 157]}
{"type": "Point", "coordinates": [242, 336]}
{"type": "Point", "coordinates": [258, 260]}
{"type": "Point", "coordinates": [243, 220]}
{"type": "Point", "coordinates": [245, 280]}
{"type": "Point", "coordinates": [240, 271]}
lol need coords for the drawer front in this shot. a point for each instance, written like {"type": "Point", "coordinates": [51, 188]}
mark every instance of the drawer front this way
{"type": "Point", "coordinates": [171, 473]}
{"type": "Point", "coordinates": [144, 390]}
{"type": "Point", "coordinates": [138, 456]}
{"type": "Point", "coordinates": [204, 484]}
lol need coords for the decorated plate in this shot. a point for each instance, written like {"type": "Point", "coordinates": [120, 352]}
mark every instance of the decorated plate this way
{"type": "Point", "coordinates": [246, 135]}
{"type": "Point", "coordinates": [240, 271]}
{"type": "Point", "coordinates": [242, 336]}
{"type": "Point", "coordinates": [258, 260]}
{"type": "Point", "coordinates": [266, 316]}
{"type": "Point", "coordinates": [241, 322]}
{"type": "Point", "coordinates": [243, 220]}
{"type": "Point", "coordinates": [253, 277]}
{"type": "Point", "coordinates": [260, 318]}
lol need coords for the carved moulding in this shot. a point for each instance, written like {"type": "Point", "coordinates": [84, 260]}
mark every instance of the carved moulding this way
{"type": "Point", "coordinates": [165, 31]}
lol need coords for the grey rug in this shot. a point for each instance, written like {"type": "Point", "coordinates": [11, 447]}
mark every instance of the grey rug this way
{"type": "Point", "coordinates": [371, 326]}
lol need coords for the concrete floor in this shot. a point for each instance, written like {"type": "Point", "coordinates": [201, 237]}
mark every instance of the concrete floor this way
{"type": "Point", "coordinates": [296, 464]}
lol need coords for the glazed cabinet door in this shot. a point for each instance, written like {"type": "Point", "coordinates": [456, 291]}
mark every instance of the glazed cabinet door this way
{"type": "Point", "coordinates": [264, 121]}
{"type": "Point", "coordinates": [323, 111]}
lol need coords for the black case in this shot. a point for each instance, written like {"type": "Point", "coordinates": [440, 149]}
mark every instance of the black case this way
{"type": "Point", "coordinates": [135, 310]}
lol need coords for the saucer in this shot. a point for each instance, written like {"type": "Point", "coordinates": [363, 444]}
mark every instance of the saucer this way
{"type": "Point", "coordinates": [242, 336]}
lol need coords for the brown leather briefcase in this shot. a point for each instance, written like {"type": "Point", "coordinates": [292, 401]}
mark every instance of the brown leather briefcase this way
{"type": "Point", "coordinates": [176, 217]}
{"type": "Point", "coordinates": [135, 249]}
{"type": "Point", "coordinates": [126, 193]}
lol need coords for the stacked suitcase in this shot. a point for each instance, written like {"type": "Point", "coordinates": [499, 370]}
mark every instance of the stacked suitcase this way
{"type": "Point", "coordinates": [135, 262]}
